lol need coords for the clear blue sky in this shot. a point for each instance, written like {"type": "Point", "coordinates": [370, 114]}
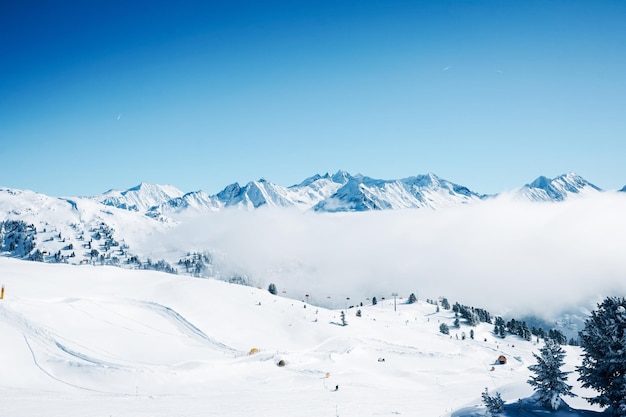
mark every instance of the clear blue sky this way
{"type": "Point", "coordinates": [488, 94]}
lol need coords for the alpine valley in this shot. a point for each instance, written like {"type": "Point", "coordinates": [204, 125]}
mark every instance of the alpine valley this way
{"type": "Point", "coordinates": [125, 310]}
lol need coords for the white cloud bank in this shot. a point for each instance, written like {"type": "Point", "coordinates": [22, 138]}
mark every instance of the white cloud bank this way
{"type": "Point", "coordinates": [506, 256]}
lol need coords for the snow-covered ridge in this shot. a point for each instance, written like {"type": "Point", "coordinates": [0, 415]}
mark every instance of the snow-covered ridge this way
{"type": "Point", "coordinates": [363, 193]}
{"type": "Point", "coordinates": [140, 198]}
{"type": "Point", "coordinates": [557, 189]}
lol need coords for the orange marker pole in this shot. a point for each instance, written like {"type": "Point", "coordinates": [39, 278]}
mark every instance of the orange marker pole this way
{"type": "Point", "coordinates": [2, 293]}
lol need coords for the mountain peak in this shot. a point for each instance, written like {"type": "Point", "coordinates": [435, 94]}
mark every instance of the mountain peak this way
{"type": "Point", "coordinates": [558, 188]}
{"type": "Point", "coordinates": [341, 177]}
{"type": "Point", "coordinates": [141, 197]}
{"type": "Point", "coordinates": [541, 182]}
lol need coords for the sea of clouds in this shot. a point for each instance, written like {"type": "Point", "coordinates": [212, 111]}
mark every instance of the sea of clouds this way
{"type": "Point", "coordinates": [508, 256]}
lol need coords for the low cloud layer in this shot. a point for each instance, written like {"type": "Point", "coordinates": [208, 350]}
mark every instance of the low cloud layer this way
{"type": "Point", "coordinates": [510, 257]}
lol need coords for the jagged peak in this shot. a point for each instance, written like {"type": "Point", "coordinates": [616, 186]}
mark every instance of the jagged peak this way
{"type": "Point", "coordinates": [229, 191]}
{"type": "Point", "coordinates": [540, 182]}
{"type": "Point", "coordinates": [151, 188]}
{"type": "Point", "coordinates": [342, 177]}
{"type": "Point", "coordinates": [312, 179]}
{"type": "Point", "coordinates": [141, 185]}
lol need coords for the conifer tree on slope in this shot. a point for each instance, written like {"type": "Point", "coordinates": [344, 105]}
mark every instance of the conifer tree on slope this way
{"type": "Point", "coordinates": [604, 359]}
{"type": "Point", "coordinates": [549, 380]}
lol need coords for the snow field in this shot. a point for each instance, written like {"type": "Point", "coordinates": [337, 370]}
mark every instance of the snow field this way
{"type": "Point", "coordinates": [93, 341]}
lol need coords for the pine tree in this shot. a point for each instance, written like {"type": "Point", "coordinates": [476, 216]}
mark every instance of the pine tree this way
{"type": "Point", "coordinates": [412, 298]}
{"type": "Point", "coordinates": [443, 328]}
{"type": "Point", "coordinates": [557, 336]}
{"type": "Point", "coordinates": [549, 381]}
{"type": "Point", "coordinates": [494, 404]}
{"type": "Point", "coordinates": [343, 319]}
{"type": "Point", "coordinates": [604, 359]}
{"type": "Point", "coordinates": [374, 301]}
{"type": "Point", "coordinates": [272, 289]}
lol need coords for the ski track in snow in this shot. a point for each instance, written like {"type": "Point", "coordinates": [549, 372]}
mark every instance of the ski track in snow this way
{"type": "Point", "coordinates": [38, 365]}
{"type": "Point", "coordinates": [50, 341]}
{"type": "Point", "coordinates": [184, 326]}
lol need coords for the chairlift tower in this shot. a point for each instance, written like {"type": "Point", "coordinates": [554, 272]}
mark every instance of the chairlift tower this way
{"type": "Point", "coordinates": [395, 294]}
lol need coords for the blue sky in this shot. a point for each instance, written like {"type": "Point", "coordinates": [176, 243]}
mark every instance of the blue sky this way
{"type": "Point", "coordinates": [488, 94]}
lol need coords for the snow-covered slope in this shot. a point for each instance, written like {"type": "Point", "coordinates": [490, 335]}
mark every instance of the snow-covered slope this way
{"type": "Point", "coordinates": [73, 230]}
{"type": "Point", "coordinates": [85, 341]}
{"type": "Point", "coordinates": [557, 189]}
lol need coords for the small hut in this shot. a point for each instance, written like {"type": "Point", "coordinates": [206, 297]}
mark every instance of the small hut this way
{"type": "Point", "coordinates": [501, 359]}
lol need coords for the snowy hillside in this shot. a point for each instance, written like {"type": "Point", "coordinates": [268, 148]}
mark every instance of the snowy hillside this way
{"type": "Point", "coordinates": [73, 230]}
{"type": "Point", "coordinates": [87, 341]}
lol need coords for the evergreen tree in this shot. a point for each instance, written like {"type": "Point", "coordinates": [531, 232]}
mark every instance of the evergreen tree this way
{"type": "Point", "coordinates": [412, 298]}
{"type": "Point", "coordinates": [604, 359]}
{"type": "Point", "coordinates": [272, 289]}
{"type": "Point", "coordinates": [443, 328]}
{"type": "Point", "coordinates": [502, 333]}
{"type": "Point", "coordinates": [549, 381]}
{"type": "Point", "coordinates": [494, 404]}
{"type": "Point", "coordinates": [343, 319]}
{"type": "Point", "coordinates": [445, 304]}
{"type": "Point", "coordinates": [374, 301]}
{"type": "Point", "coordinates": [557, 336]}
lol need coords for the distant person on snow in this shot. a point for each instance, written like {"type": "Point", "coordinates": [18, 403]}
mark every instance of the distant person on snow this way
{"type": "Point", "coordinates": [336, 387]}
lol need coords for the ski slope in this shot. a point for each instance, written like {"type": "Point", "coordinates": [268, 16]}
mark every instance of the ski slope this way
{"type": "Point", "coordinates": [100, 341]}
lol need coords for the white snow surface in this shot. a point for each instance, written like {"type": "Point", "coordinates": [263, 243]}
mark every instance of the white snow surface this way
{"type": "Point", "coordinates": [104, 341]}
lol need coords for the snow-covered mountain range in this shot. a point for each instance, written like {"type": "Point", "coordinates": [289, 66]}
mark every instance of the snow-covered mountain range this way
{"type": "Point", "coordinates": [341, 192]}
{"type": "Point", "coordinates": [109, 228]}
{"type": "Point", "coordinates": [421, 232]}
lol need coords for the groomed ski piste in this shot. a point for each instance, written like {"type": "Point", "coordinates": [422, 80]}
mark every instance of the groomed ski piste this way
{"type": "Point", "coordinates": [105, 341]}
